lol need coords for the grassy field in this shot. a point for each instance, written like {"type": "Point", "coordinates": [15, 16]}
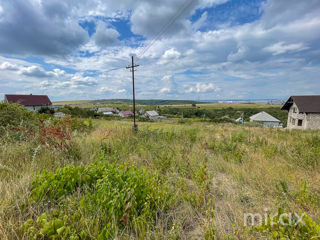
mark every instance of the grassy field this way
{"type": "Point", "coordinates": [196, 181]}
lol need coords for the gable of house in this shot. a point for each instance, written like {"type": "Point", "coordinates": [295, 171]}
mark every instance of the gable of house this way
{"type": "Point", "coordinates": [303, 112]}
{"type": "Point", "coordinates": [305, 104]}
{"type": "Point", "coordinates": [263, 117]}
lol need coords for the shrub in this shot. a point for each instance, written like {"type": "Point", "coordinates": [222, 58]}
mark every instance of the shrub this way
{"type": "Point", "coordinates": [16, 116]}
{"type": "Point", "coordinates": [46, 110]}
{"type": "Point", "coordinates": [112, 197]}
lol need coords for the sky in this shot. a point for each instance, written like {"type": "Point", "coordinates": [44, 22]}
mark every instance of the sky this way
{"type": "Point", "coordinates": [196, 50]}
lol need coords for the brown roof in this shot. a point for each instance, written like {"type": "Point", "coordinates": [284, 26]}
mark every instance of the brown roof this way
{"type": "Point", "coordinates": [305, 104]}
{"type": "Point", "coordinates": [28, 100]}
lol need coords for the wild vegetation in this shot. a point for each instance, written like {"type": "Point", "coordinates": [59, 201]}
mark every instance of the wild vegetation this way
{"type": "Point", "coordinates": [96, 179]}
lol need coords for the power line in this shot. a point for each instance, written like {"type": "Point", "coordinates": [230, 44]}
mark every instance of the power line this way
{"type": "Point", "coordinates": [114, 69]}
{"type": "Point", "coordinates": [166, 26]}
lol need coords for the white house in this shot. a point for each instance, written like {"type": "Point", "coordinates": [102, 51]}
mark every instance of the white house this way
{"type": "Point", "coordinates": [266, 120]}
{"type": "Point", "coordinates": [151, 114]}
{"type": "Point", "coordinates": [108, 110]}
{"type": "Point", "coordinates": [303, 112]}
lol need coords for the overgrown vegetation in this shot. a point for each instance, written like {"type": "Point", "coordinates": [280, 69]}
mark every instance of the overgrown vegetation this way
{"type": "Point", "coordinates": [97, 201]}
{"type": "Point", "coordinates": [170, 180]}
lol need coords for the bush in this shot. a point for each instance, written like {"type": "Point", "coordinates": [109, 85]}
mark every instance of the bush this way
{"type": "Point", "coordinates": [15, 115]}
{"type": "Point", "coordinates": [16, 122]}
{"type": "Point", "coordinates": [112, 198]}
{"type": "Point", "coordinates": [79, 112]}
{"type": "Point", "coordinates": [46, 110]}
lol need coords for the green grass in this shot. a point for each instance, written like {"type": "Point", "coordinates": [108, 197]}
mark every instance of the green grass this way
{"type": "Point", "coordinates": [168, 181]}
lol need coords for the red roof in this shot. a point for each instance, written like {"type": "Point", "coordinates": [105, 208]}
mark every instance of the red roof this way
{"type": "Point", "coordinates": [128, 112]}
{"type": "Point", "coordinates": [28, 100]}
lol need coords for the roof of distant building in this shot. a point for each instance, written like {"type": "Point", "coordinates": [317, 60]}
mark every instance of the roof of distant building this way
{"type": "Point", "coordinates": [152, 113]}
{"type": "Point", "coordinates": [128, 112]}
{"type": "Point", "coordinates": [263, 117]}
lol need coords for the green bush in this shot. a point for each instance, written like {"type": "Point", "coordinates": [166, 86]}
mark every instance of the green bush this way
{"type": "Point", "coordinates": [46, 110]}
{"type": "Point", "coordinates": [101, 198]}
{"type": "Point", "coordinates": [16, 115]}
{"type": "Point", "coordinates": [16, 121]}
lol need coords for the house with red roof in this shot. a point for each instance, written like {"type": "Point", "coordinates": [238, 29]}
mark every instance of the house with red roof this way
{"type": "Point", "coordinates": [30, 102]}
{"type": "Point", "coordinates": [127, 113]}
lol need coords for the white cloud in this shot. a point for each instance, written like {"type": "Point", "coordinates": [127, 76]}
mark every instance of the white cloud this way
{"type": "Point", "coordinates": [8, 66]}
{"type": "Point", "coordinates": [167, 78]}
{"type": "Point", "coordinates": [203, 88]}
{"type": "Point", "coordinates": [105, 36]}
{"type": "Point", "coordinates": [110, 90]}
{"type": "Point", "coordinates": [38, 72]}
{"type": "Point", "coordinates": [164, 90]}
{"type": "Point", "coordinates": [169, 55]}
{"type": "Point", "coordinates": [281, 47]}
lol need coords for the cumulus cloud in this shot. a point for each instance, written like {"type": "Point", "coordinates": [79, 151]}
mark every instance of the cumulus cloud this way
{"type": "Point", "coordinates": [111, 90]}
{"type": "Point", "coordinates": [203, 88]}
{"type": "Point", "coordinates": [164, 90]}
{"type": "Point", "coordinates": [8, 66]}
{"type": "Point", "coordinates": [169, 55]}
{"type": "Point", "coordinates": [38, 72]}
{"type": "Point", "coordinates": [39, 28]}
{"type": "Point", "coordinates": [80, 81]}
{"type": "Point", "coordinates": [104, 36]}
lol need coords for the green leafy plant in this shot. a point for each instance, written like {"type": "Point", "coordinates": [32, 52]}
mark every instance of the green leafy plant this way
{"type": "Point", "coordinates": [112, 197]}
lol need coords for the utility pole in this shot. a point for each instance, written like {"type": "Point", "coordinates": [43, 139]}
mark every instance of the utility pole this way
{"type": "Point", "coordinates": [132, 69]}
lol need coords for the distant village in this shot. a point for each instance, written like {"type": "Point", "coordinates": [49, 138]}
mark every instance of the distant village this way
{"type": "Point", "coordinates": [303, 111]}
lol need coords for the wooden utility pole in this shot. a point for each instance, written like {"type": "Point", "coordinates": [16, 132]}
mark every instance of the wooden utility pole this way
{"type": "Point", "coordinates": [132, 68]}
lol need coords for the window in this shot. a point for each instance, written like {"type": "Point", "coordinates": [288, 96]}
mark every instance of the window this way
{"type": "Point", "coordinates": [294, 110]}
{"type": "Point", "coordinates": [300, 122]}
{"type": "Point", "coordinates": [293, 121]}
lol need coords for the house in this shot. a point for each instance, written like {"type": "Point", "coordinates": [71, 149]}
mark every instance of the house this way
{"type": "Point", "coordinates": [127, 113]}
{"type": "Point", "coordinates": [107, 110]}
{"type": "Point", "coordinates": [59, 115]}
{"type": "Point", "coordinates": [266, 120]}
{"type": "Point", "coordinates": [303, 112]}
{"type": "Point", "coordinates": [30, 102]}
{"type": "Point", "coordinates": [151, 114]}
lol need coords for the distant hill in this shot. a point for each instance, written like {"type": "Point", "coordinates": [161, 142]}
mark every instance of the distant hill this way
{"type": "Point", "coordinates": [128, 101]}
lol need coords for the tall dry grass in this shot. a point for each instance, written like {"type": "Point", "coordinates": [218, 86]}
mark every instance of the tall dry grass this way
{"type": "Point", "coordinates": [242, 169]}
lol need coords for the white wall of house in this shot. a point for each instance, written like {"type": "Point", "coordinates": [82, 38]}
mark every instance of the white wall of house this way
{"type": "Point", "coordinates": [297, 120]}
{"type": "Point", "coordinates": [313, 121]}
